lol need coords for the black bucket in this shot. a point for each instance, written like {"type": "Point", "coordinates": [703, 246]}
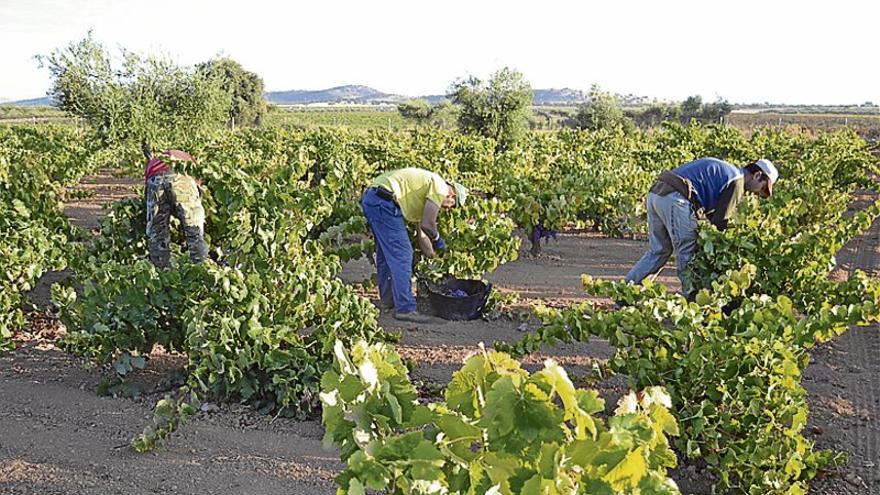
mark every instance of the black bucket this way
{"type": "Point", "coordinates": [468, 307]}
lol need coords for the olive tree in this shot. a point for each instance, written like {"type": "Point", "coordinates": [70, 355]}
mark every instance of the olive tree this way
{"type": "Point", "coordinates": [245, 90]}
{"type": "Point", "coordinates": [602, 111]}
{"type": "Point", "coordinates": [655, 114]}
{"type": "Point", "coordinates": [439, 115]}
{"type": "Point", "coordinates": [693, 108]}
{"type": "Point", "coordinates": [418, 111]}
{"type": "Point", "coordinates": [496, 109]}
{"type": "Point", "coordinates": [134, 98]}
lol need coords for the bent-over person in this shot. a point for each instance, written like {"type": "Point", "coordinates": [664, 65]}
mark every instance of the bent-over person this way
{"type": "Point", "coordinates": [169, 193]}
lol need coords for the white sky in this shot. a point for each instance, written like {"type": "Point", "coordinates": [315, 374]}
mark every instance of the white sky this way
{"type": "Point", "coordinates": [744, 51]}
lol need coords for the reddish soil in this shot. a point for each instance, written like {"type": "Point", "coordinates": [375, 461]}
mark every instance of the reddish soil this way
{"type": "Point", "coordinates": [104, 188]}
{"type": "Point", "coordinates": [58, 436]}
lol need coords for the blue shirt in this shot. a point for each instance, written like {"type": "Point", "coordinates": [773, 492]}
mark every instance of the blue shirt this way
{"type": "Point", "coordinates": [709, 176]}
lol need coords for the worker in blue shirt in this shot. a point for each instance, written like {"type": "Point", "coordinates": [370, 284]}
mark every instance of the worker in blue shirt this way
{"type": "Point", "coordinates": [710, 185]}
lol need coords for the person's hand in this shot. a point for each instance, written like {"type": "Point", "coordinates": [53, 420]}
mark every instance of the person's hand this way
{"type": "Point", "coordinates": [439, 244]}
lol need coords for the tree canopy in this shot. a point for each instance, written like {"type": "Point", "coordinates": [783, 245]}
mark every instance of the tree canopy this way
{"type": "Point", "coordinates": [602, 111]}
{"type": "Point", "coordinates": [707, 113]}
{"type": "Point", "coordinates": [134, 98]}
{"type": "Point", "coordinates": [245, 90]}
{"type": "Point", "coordinates": [497, 109]}
{"type": "Point", "coordinates": [423, 113]}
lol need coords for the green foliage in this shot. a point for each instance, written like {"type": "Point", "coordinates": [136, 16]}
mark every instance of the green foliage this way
{"type": "Point", "coordinates": [602, 112]}
{"type": "Point", "coordinates": [127, 308]}
{"type": "Point", "coordinates": [732, 360]}
{"type": "Point", "coordinates": [444, 115]}
{"type": "Point", "coordinates": [707, 113]}
{"type": "Point", "coordinates": [336, 117]}
{"type": "Point", "coordinates": [498, 430]}
{"type": "Point", "coordinates": [497, 109]}
{"type": "Point", "coordinates": [275, 295]}
{"type": "Point", "coordinates": [422, 113]}
{"type": "Point", "coordinates": [691, 110]}
{"type": "Point", "coordinates": [335, 239]}
{"type": "Point", "coordinates": [241, 328]}
{"type": "Point", "coordinates": [734, 379]}
{"type": "Point", "coordinates": [169, 413]}
{"type": "Point", "coordinates": [655, 114]}
{"type": "Point", "coordinates": [479, 238]}
{"type": "Point", "coordinates": [575, 178]}
{"type": "Point", "coordinates": [42, 113]}
{"type": "Point", "coordinates": [34, 165]}
{"type": "Point", "coordinates": [245, 90]}
{"type": "Point", "coordinates": [144, 98]}
{"type": "Point", "coordinates": [719, 368]}
{"type": "Point", "coordinates": [260, 325]}
{"type": "Point", "coordinates": [418, 111]}
{"type": "Point", "coordinates": [283, 323]}
{"type": "Point", "coordinates": [793, 236]}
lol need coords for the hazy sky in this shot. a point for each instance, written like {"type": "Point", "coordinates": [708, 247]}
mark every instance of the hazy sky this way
{"type": "Point", "coordinates": [743, 51]}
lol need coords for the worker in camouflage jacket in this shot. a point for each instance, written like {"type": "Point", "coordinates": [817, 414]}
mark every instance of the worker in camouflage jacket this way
{"type": "Point", "coordinates": [169, 193]}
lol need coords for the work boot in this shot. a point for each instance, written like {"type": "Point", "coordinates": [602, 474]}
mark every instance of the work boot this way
{"type": "Point", "coordinates": [416, 317]}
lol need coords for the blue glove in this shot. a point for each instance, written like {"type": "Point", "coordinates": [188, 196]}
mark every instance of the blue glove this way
{"type": "Point", "coordinates": [439, 244]}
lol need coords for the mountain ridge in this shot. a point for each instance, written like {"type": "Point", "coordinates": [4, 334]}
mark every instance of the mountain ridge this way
{"type": "Point", "coordinates": [367, 95]}
{"type": "Point", "coordinates": [363, 95]}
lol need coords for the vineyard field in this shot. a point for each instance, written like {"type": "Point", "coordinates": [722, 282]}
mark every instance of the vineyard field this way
{"type": "Point", "coordinates": [762, 382]}
{"type": "Point", "coordinates": [347, 118]}
{"type": "Point", "coordinates": [543, 118]}
{"type": "Point", "coordinates": [238, 449]}
{"type": "Point", "coordinates": [867, 126]}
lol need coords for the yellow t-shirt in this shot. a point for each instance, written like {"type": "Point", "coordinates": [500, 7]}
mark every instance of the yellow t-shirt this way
{"type": "Point", "coordinates": [411, 187]}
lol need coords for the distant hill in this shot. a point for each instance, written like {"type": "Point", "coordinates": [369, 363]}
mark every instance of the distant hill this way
{"type": "Point", "coordinates": [564, 96]}
{"type": "Point", "coordinates": [365, 95]}
{"type": "Point", "coordinates": [432, 99]}
{"type": "Point", "coordinates": [339, 94]}
{"type": "Point", "coordinates": [33, 102]}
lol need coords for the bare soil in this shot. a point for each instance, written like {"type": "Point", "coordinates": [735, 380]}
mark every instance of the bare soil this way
{"type": "Point", "coordinates": [843, 384]}
{"type": "Point", "coordinates": [58, 436]}
{"type": "Point", "coordinates": [104, 188]}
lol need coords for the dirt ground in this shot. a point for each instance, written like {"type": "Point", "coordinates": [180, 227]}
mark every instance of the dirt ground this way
{"type": "Point", "coordinates": [58, 437]}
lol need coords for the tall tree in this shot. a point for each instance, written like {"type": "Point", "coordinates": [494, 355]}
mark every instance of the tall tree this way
{"type": "Point", "coordinates": [137, 99]}
{"type": "Point", "coordinates": [497, 109]}
{"type": "Point", "coordinates": [690, 108]}
{"type": "Point", "coordinates": [707, 113]}
{"type": "Point", "coordinates": [602, 111]}
{"type": "Point", "coordinates": [245, 89]}
{"type": "Point", "coordinates": [423, 113]}
{"type": "Point", "coordinates": [655, 114]}
{"type": "Point", "coordinates": [419, 111]}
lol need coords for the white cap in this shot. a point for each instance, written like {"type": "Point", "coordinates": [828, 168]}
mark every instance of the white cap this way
{"type": "Point", "coordinates": [769, 170]}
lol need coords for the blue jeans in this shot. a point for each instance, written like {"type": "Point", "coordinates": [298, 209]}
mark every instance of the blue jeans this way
{"type": "Point", "coordinates": [672, 227]}
{"type": "Point", "coordinates": [394, 251]}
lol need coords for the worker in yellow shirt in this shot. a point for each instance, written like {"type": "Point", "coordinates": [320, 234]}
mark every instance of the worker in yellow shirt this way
{"type": "Point", "coordinates": [407, 195]}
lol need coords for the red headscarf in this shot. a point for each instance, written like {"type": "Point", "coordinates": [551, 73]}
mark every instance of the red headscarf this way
{"type": "Point", "coordinates": [156, 166]}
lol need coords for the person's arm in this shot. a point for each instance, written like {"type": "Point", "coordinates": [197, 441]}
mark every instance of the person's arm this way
{"type": "Point", "coordinates": [429, 219]}
{"type": "Point", "coordinates": [426, 231]}
{"type": "Point", "coordinates": [730, 197]}
{"type": "Point", "coordinates": [424, 243]}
